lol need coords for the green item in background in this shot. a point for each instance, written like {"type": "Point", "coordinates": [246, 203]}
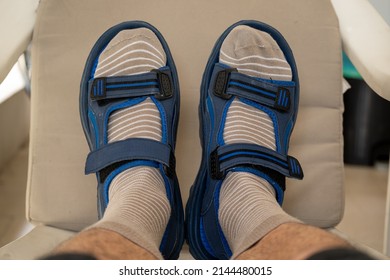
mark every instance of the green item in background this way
{"type": "Point", "coordinates": [349, 71]}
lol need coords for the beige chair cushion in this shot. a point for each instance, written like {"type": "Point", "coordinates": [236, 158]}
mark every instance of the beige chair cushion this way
{"type": "Point", "coordinates": [60, 195]}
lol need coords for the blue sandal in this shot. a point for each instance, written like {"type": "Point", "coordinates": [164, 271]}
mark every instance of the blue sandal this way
{"type": "Point", "coordinates": [101, 96]}
{"type": "Point", "coordinates": [220, 86]}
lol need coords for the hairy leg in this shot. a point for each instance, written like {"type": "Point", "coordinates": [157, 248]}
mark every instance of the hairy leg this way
{"type": "Point", "coordinates": [293, 241]}
{"type": "Point", "coordinates": [104, 244]}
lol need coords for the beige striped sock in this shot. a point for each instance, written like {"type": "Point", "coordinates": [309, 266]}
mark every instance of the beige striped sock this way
{"type": "Point", "coordinates": [248, 208]}
{"type": "Point", "coordinates": [138, 206]}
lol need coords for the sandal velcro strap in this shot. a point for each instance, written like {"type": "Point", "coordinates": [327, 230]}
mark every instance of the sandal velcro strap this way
{"type": "Point", "coordinates": [127, 150]}
{"type": "Point", "coordinates": [156, 82]}
{"type": "Point", "coordinates": [226, 157]}
{"type": "Point", "coordinates": [228, 82]}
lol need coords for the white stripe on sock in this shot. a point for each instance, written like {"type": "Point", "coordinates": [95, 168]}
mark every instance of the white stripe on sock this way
{"type": "Point", "coordinates": [138, 206]}
{"type": "Point", "coordinates": [251, 57]}
{"type": "Point", "coordinates": [161, 57]}
{"type": "Point", "coordinates": [253, 68]}
{"type": "Point", "coordinates": [117, 121]}
{"type": "Point", "coordinates": [255, 65]}
{"type": "Point", "coordinates": [249, 114]}
{"type": "Point", "coordinates": [266, 74]}
{"type": "Point", "coordinates": [141, 120]}
{"type": "Point", "coordinates": [248, 208]}
{"type": "Point", "coordinates": [251, 138]}
{"type": "Point", "coordinates": [100, 72]}
{"type": "Point", "coordinates": [151, 213]}
{"type": "Point", "coordinates": [134, 124]}
{"type": "Point", "coordinates": [243, 207]}
{"type": "Point", "coordinates": [123, 71]}
{"type": "Point", "coordinates": [245, 124]}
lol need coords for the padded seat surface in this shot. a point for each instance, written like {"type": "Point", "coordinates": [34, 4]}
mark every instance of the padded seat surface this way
{"type": "Point", "coordinates": [60, 195]}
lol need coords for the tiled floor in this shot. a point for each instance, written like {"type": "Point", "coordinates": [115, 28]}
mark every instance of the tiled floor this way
{"type": "Point", "coordinates": [363, 220]}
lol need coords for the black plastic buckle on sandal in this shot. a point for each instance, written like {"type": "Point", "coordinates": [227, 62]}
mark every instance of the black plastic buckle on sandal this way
{"type": "Point", "coordinates": [165, 85]}
{"type": "Point", "coordinates": [222, 82]}
{"type": "Point", "coordinates": [170, 170]}
{"type": "Point", "coordinates": [98, 89]}
{"type": "Point", "coordinates": [294, 168]}
{"type": "Point", "coordinates": [215, 171]}
{"type": "Point", "coordinates": [283, 99]}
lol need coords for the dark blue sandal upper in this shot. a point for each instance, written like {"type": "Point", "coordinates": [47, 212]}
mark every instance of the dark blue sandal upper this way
{"type": "Point", "coordinates": [99, 97]}
{"type": "Point", "coordinates": [221, 85]}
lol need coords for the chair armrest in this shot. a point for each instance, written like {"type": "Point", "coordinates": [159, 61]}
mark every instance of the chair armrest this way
{"type": "Point", "coordinates": [17, 23]}
{"type": "Point", "coordinates": [363, 248]}
{"type": "Point", "coordinates": [366, 40]}
{"type": "Point", "coordinates": [39, 242]}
